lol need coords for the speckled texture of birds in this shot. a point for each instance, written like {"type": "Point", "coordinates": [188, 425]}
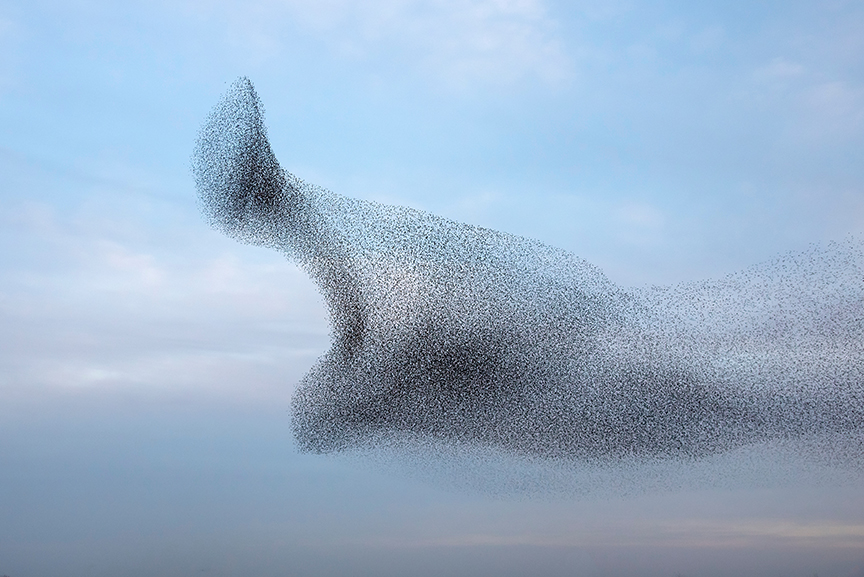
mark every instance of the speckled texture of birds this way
{"type": "Point", "coordinates": [458, 333]}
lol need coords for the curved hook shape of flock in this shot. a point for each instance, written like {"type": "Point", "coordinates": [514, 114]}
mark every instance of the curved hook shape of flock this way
{"type": "Point", "coordinates": [452, 332]}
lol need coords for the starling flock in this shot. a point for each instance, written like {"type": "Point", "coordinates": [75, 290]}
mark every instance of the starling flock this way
{"type": "Point", "coordinates": [461, 334]}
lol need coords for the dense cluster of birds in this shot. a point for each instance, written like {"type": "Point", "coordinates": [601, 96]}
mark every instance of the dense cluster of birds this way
{"type": "Point", "coordinates": [462, 334]}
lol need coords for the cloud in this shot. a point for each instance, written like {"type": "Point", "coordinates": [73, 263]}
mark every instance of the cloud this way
{"type": "Point", "coordinates": [94, 295]}
{"type": "Point", "coordinates": [454, 43]}
{"type": "Point", "coordinates": [720, 534]}
{"type": "Point", "coordinates": [135, 319]}
{"type": "Point", "coordinates": [779, 69]}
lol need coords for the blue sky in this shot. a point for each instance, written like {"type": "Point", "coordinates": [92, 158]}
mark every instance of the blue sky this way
{"type": "Point", "coordinates": [146, 363]}
{"type": "Point", "coordinates": [665, 141]}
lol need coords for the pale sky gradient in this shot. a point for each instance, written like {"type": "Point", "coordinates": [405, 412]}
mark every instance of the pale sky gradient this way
{"type": "Point", "coordinates": [147, 363]}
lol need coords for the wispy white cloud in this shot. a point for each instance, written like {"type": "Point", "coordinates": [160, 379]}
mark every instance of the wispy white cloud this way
{"type": "Point", "coordinates": [778, 69]}
{"type": "Point", "coordinates": [455, 43]}
{"type": "Point", "coordinates": [684, 533]}
{"type": "Point", "coordinates": [94, 296]}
